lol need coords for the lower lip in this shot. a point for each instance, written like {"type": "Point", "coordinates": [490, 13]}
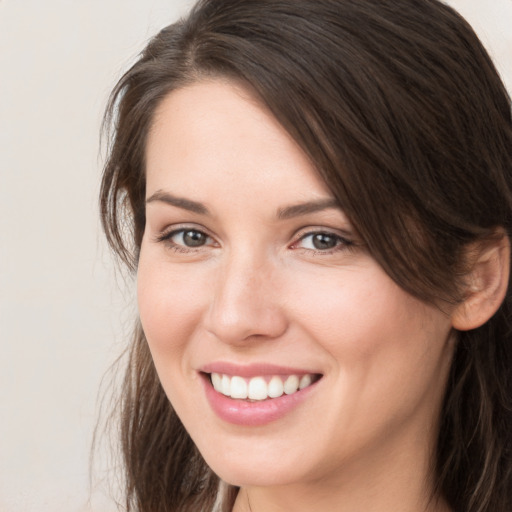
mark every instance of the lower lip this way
{"type": "Point", "coordinates": [252, 414]}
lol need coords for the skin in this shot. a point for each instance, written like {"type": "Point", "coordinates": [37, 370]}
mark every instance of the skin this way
{"type": "Point", "coordinates": [257, 291]}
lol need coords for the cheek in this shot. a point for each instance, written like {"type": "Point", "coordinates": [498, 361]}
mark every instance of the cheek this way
{"type": "Point", "coordinates": [389, 355]}
{"type": "Point", "coordinates": [169, 306]}
{"type": "Point", "coordinates": [347, 309]}
{"type": "Point", "coordinates": [372, 329]}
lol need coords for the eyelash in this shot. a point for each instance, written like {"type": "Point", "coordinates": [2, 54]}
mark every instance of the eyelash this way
{"type": "Point", "coordinates": [342, 243]}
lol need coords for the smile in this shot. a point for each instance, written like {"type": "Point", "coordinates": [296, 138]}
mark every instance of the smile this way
{"type": "Point", "coordinates": [260, 387]}
{"type": "Point", "coordinates": [255, 395]}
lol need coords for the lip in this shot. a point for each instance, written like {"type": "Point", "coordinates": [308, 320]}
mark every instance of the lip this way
{"type": "Point", "coordinates": [253, 370]}
{"type": "Point", "coordinates": [257, 413]}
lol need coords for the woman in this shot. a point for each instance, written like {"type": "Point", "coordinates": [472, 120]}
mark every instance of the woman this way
{"type": "Point", "coordinates": [319, 207]}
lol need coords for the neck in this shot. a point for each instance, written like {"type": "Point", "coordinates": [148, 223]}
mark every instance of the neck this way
{"type": "Point", "coordinates": [250, 501]}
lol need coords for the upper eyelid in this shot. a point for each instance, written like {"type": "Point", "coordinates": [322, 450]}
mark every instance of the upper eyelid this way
{"type": "Point", "coordinates": [176, 228]}
{"type": "Point", "coordinates": [311, 230]}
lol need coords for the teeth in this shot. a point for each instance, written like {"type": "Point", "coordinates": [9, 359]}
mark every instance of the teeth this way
{"type": "Point", "coordinates": [305, 381]}
{"type": "Point", "coordinates": [225, 386]}
{"type": "Point", "coordinates": [258, 388]}
{"type": "Point", "coordinates": [217, 381]}
{"type": "Point", "coordinates": [238, 388]}
{"type": "Point", "coordinates": [291, 384]}
{"type": "Point", "coordinates": [275, 387]}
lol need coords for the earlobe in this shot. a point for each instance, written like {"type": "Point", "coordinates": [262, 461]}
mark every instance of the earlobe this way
{"type": "Point", "coordinates": [487, 282]}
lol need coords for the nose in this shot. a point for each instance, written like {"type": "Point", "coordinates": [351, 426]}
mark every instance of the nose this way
{"type": "Point", "coordinates": [246, 303]}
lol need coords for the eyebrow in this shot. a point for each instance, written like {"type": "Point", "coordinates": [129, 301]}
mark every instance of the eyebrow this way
{"type": "Point", "coordinates": [287, 212]}
{"type": "Point", "coordinates": [180, 202]}
{"type": "Point", "coordinates": [297, 210]}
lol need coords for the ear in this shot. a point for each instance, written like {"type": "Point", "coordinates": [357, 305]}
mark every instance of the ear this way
{"type": "Point", "coordinates": [487, 282]}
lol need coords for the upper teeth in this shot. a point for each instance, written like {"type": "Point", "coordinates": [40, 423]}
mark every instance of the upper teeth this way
{"type": "Point", "coordinates": [258, 388]}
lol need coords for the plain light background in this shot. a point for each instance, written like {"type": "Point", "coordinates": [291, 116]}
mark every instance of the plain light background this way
{"type": "Point", "coordinates": [63, 313]}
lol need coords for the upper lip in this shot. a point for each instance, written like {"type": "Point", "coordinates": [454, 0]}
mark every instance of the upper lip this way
{"type": "Point", "coordinates": [253, 370]}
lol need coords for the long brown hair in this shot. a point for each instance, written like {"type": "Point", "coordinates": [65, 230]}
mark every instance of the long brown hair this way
{"type": "Point", "coordinates": [405, 118]}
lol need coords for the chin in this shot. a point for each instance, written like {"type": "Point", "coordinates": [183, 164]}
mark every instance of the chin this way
{"type": "Point", "coordinates": [256, 465]}
{"type": "Point", "coordinates": [245, 474]}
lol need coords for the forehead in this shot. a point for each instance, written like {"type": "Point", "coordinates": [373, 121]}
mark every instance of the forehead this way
{"type": "Point", "coordinates": [213, 132]}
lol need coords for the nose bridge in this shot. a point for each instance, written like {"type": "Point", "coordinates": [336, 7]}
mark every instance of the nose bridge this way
{"type": "Point", "coordinates": [245, 303]}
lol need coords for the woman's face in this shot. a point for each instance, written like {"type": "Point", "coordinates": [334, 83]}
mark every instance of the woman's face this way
{"type": "Point", "coordinates": [249, 271]}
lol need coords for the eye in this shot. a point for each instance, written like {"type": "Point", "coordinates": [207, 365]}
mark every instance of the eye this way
{"type": "Point", "coordinates": [185, 239]}
{"type": "Point", "coordinates": [322, 241]}
{"type": "Point", "coordinates": [189, 238]}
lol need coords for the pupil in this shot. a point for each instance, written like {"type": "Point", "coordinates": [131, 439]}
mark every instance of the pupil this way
{"type": "Point", "coordinates": [324, 241]}
{"type": "Point", "coordinates": [194, 238]}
